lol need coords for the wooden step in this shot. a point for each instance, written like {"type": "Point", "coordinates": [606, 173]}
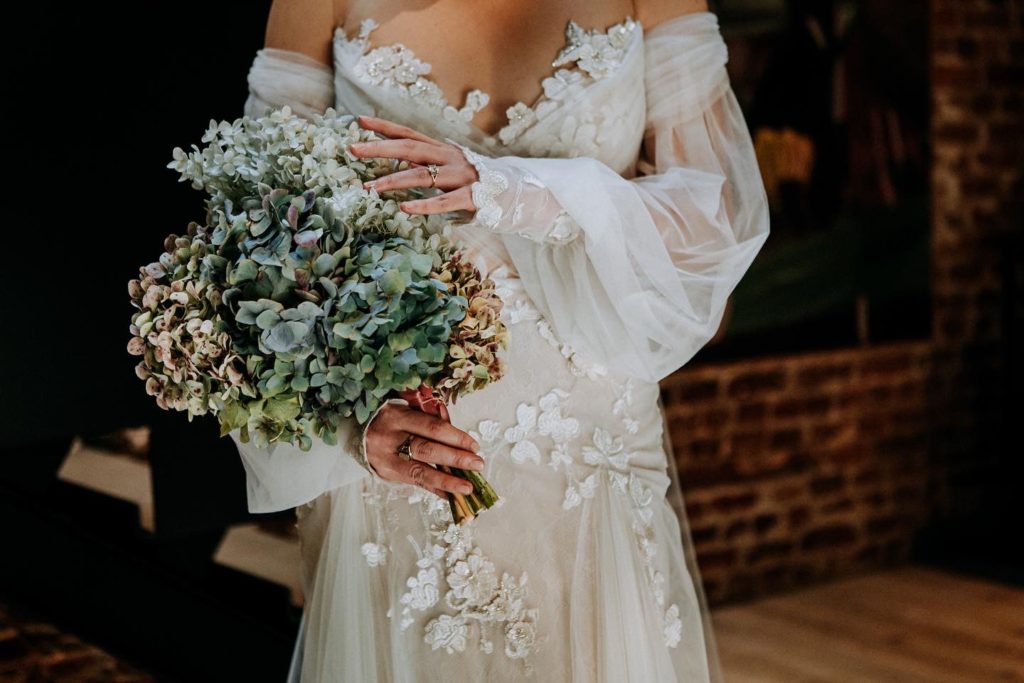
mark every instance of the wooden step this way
{"type": "Point", "coordinates": [265, 554]}
{"type": "Point", "coordinates": [119, 475]}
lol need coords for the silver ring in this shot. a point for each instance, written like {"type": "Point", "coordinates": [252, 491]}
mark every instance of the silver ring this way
{"type": "Point", "coordinates": [432, 168]}
{"type": "Point", "coordinates": [405, 448]}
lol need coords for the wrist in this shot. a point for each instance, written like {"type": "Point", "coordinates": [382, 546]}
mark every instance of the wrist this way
{"type": "Point", "coordinates": [510, 199]}
{"type": "Point", "coordinates": [488, 190]}
{"type": "Point", "coordinates": [358, 444]}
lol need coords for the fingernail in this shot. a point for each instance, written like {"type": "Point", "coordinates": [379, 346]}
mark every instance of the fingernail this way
{"type": "Point", "coordinates": [476, 447]}
{"type": "Point", "coordinates": [476, 465]}
{"type": "Point", "coordinates": [467, 488]}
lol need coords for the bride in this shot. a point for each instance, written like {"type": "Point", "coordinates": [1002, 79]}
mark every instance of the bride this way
{"type": "Point", "coordinates": [596, 163]}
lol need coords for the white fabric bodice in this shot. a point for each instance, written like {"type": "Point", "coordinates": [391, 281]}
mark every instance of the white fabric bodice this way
{"type": "Point", "coordinates": [592, 102]}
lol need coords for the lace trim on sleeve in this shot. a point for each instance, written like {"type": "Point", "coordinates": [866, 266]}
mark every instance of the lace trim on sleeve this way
{"type": "Point", "coordinates": [530, 210]}
{"type": "Point", "coordinates": [486, 189]}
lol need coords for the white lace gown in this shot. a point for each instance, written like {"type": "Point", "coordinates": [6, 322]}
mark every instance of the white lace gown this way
{"type": "Point", "coordinates": [616, 214]}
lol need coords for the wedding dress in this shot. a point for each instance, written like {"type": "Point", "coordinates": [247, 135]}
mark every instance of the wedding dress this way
{"type": "Point", "coordinates": [616, 214]}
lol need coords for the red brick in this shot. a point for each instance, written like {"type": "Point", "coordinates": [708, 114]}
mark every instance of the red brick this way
{"type": "Point", "coordinates": [868, 477]}
{"type": "Point", "coordinates": [787, 492]}
{"type": "Point", "coordinates": [775, 578]}
{"type": "Point", "coordinates": [798, 517]}
{"type": "Point", "coordinates": [735, 502]}
{"type": "Point", "coordinates": [737, 528]}
{"type": "Point", "coordinates": [710, 559]}
{"type": "Point", "coordinates": [876, 500]}
{"type": "Point", "coordinates": [741, 585]}
{"type": "Point", "coordinates": [870, 554]}
{"type": "Point", "coordinates": [842, 505]}
{"type": "Point", "coordinates": [773, 550]}
{"type": "Point", "coordinates": [824, 375]}
{"type": "Point", "coordinates": [703, 449]}
{"type": "Point", "coordinates": [764, 523]}
{"type": "Point", "coordinates": [786, 438]}
{"type": "Point", "coordinates": [877, 526]}
{"type": "Point", "coordinates": [699, 475]}
{"type": "Point", "coordinates": [688, 391]}
{"type": "Point", "coordinates": [829, 484]}
{"type": "Point", "coordinates": [829, 536]}
{"type": "Point", "coordinates": [953, 76]}
{"type": "Point", "coordinates": [756, 382]}
{"type": "Point", "coordinates": [802, 407]}
{"type": "Point", "coordinates": [751, 412]}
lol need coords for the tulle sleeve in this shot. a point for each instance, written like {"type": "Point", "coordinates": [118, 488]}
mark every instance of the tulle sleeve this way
{"type": "Point", "coordinates": [281, 476]}
{"type": "Point", "coordinates": [634, 273]}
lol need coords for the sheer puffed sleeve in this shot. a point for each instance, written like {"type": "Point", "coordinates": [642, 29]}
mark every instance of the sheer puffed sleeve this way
{"type": "Point", "coordinates": [281, 476]}
{"type": "Point", "coordinates": [634, 274]}
{"type": "Point", "coordinates": [278, 77]}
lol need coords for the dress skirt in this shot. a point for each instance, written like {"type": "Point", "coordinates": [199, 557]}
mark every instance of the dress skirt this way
{"type": "Point", "coordinates": [577, 574]}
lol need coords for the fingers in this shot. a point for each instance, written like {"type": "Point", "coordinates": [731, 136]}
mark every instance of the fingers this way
{"type": "Point", "coordinates": [403, 148]}
{"type": "Point", "coordinates": [433, 427]}
{"type": "Point", "coordinates": [392, 129]}
{"type": "Point", "coordinates": [419, 176]}
{"type": "Point", "coordinates": [443, 454]}
{"type": "Point", "coordinates": [437, 441]}
{"type": "Point", "coordinates": [454, 200]}
{"type": "Point", "coordinates": [423, 474]}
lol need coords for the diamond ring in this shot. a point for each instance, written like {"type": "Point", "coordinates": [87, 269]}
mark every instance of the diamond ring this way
{"type": "Point", "coordinates": [405, 449]}
{"type": "Point", "coordinates": [432, 168]}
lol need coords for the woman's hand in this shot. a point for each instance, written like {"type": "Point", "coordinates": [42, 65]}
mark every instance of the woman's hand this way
{"type": "Point", "coordinates": [455, 174]}
{"type": "Point", "coordinates": [437, 441]}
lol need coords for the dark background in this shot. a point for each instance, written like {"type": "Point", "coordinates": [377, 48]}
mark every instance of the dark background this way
{"type": "Point", "coordinates": [101, 96]}
{"type": "Point", "coordinates": [98, 97]}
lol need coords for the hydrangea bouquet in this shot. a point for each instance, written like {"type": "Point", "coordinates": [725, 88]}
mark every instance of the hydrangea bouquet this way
{"type": "Point", "coordinates": [304, 299]}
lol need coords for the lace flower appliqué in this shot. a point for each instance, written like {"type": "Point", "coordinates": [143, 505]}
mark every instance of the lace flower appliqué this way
{"type": "Point", "coordinates": [395, 66]}
{"type": "Point", "coordinates": [478, 598]}
{"type": "Point", "coordinates": [608, 451]}
{"type": "Point", "coordinates": [594, 54]}
{"type": "Point", "coordinates": [610, 459]}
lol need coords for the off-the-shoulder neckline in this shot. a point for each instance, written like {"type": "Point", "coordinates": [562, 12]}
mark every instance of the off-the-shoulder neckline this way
{"type": "Point", "coordinates": [629, 23]}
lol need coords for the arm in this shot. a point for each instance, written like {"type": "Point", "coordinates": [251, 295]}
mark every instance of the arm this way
{"type": "Point", "coordinates": [293, 68]}
{"type": "Point", "coordinates": [635, 273]}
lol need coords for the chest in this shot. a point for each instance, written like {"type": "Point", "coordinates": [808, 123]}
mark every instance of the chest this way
{"type": "Point", "coordinates": [501, 47]}
{"type": "Point", "coordinates": [584, 97]}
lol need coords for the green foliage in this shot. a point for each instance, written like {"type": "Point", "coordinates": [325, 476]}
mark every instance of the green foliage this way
{"type": "Point", "coordinates": [305, 299]}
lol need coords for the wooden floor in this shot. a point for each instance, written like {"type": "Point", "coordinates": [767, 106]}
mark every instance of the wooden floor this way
{"type": "Point", "coordinates": [911, 624]}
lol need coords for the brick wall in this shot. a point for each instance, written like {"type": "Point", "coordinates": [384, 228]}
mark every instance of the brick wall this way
{"type": "Point", "coordinates": [805, 467]}
{"type": "Point", "coordinates": [978, 211]}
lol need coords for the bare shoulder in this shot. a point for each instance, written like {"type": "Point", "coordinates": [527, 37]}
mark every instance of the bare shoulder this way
{"type": "Point", "coordinates": [653, 12]}
{"type": "Point", "coordinates": [305, 26]}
